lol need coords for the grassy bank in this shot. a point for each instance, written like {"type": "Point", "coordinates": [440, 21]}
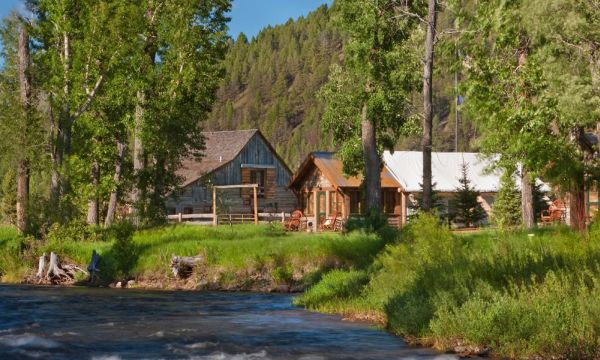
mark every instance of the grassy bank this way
{"type": "Point", "coordinates": [244, 257]}
{"type": "Point", "coordinates": [520, 295]}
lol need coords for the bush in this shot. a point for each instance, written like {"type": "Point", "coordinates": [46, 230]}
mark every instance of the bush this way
{"type": "Point", "coordinates": [75, 231]}
{"type": "Point", "coordinates": [123, 251]}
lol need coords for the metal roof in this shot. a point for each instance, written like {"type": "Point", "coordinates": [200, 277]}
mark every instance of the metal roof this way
{"type": "Point", "coordinates": [407, 168]}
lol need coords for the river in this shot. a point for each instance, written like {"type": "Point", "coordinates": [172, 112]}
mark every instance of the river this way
{"type": "Point", "coordinates": [82, 323]}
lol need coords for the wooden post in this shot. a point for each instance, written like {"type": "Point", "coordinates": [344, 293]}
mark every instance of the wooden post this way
{"type": "Point", "coordinates": [404, 208]}
{"type": "Point", "coordinates": [327, 200]}
{"type": "Point", "coordinates": [214, 206]}
{"type": "Point", "coordinates": [316, 211]}
{"type": "Point", "coordinates": [179, 218]}
{"type": "Point", "coordinates": [255, 206]}
{"type": "Point", "coordinates": [283, 217]}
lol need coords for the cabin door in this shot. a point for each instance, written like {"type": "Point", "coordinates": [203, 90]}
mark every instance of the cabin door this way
{"type": "Point", "coordinates": [321, 207]}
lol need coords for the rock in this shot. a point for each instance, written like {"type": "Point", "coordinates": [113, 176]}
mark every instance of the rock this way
{"type": "Point", "coordinates": [281, 289]}
{"type": "Point", "coordinates": [119, 285]}
{"type": "Point", "coordinates": [130, 283]}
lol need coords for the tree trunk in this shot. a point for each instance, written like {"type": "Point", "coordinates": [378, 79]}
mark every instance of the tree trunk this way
{"type": "Point", "coordinates": [577, 203]}
{"type": "Point", "coordinates": [114, 195]}
{"type": "Point", "coordinates": [92, 215]}
{"type": "Point", "coordinates": [22, 163]}
{"type": "Point", "coordinates": [372, 163]}
{"type": "Point", "coordinates": [138, 155]}
{"type": "Point", "coordinates": [428, 106]}
{"type": "Point", "coordinates": [527, 211]}
{"type": "Point", "coordinates": [22, 195]}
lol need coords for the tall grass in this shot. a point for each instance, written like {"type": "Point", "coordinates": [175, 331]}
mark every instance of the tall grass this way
{"type": "Point", "coordinates": [12, 245]}
{"type": "Point", "coordinates": [524, 294]}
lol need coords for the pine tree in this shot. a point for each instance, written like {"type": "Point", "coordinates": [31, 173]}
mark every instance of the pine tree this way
{"type": "Point", "coordinates": [506, 211]}
{"type": "Point", "coordinates": [467, 207]}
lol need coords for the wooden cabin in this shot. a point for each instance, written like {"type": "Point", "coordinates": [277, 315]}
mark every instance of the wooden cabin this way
{"type": "Point", "coordinates": [234, 158]}
{"type": "Point", "coordinates": [322, 189]}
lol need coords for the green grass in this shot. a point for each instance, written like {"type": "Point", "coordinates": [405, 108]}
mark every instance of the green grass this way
{"type": "Point", "coordinates": [521, 295]}
{"type": "Point", "coordinates": [237, 256]}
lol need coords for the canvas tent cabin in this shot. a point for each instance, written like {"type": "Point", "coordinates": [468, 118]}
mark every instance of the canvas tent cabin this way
{"type": "Point", "coordinates": [239, 157]}
{"type": "Point", "coordinates": [446, 167]}
{"type": "Point", "coordinates": [322, 189]}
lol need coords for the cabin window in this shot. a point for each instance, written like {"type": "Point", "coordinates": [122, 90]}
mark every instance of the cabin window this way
{"type": "Point", "coordinates": [308, 203]}
{"type": "Point", "coordinates": [188, 210]}
{"type": "Point", "coordinates": [171, 211]}
{"type": "Point", "coordinates": [389, 201]}
{"type": "Point", "coordinates": [355, 205]}
{"type": "Point", "coordinates": [336, 202]}
{"type": "Point", "coordinates": [258, 177]}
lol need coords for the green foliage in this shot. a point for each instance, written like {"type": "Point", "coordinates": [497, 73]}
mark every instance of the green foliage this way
{"type": "Point", "coordinates": [467, 209]}
{"type": "Point", "coordinates": [523, 296]}
{"type": "Point", "coordinates": [506, 211]}
{"type": "Point", "coordinates": [8, 198]}
{"type": "Point", "coordinates": [73, 232]}
{"type": "Point", "coordinates": [379, 73]}
{"type": "Point", "coordinates": [12, 252]}
{"type": "Point", "coordinates": [124, 251]}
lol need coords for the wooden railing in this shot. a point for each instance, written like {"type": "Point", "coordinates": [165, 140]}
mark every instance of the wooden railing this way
{"type": "Point", "coordinates": [208, 219]}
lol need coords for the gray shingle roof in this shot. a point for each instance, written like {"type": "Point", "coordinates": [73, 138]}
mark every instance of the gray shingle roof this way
{"type": "Point", "coordinates": [221, 148]}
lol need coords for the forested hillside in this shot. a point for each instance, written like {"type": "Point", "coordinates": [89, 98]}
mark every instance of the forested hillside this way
{"type": "Point", "coordinates": [272, 83]}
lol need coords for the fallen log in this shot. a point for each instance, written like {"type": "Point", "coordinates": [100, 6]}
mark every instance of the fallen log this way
{"type": "Point", "coordinates": [183, 266]}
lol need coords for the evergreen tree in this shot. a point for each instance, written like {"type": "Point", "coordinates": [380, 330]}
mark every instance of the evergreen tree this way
{"type": "Point", "coordinates": [468, 210]}
{"type": "Point", "coordinates": [506, 211]}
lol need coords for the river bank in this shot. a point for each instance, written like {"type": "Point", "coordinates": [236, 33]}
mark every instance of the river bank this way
{"type": "Point", "coordinates": [239, 258]}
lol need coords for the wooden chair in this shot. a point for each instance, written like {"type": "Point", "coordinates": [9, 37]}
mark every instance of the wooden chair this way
{"type": "Point", "coordinates": [330, 223]}
{"type": "Point", "coordinates": [294, 222]}
{"type": "Point", "coordinates": [555, 213]}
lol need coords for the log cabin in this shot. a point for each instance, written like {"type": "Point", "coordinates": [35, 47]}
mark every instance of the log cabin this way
{"type": "Point", "coordinates": [323, 189]}
{"type": "Point", "coordinates": [234, 158]}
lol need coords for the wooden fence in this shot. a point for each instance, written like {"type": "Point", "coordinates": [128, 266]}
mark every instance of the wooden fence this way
{"type": "Point", "coordinates": [209, 219]}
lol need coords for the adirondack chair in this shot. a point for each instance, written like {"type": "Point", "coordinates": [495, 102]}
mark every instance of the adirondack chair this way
{"type": "Point", "coordinates": [555, 212]}
{"type": "Point", "coordinates": [330, 223]}
{"type": "Point", "coordinates": [294, 222]}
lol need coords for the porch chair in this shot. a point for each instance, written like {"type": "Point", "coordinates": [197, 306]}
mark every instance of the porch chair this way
{"type": "Point", "coordinates": [330, 223]}
{"type": "Point", "coordinates": [294, 222]}
{"type": "Point", "coordinates": [554, 213]}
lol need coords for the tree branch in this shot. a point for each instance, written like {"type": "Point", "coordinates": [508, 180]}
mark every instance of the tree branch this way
{"type": "Point", "coordinates": [88, 100]}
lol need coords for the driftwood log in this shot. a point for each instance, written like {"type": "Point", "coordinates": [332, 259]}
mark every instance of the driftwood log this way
{"type": "Point", "coordinates": [93, 266]}
{"type": "Point", "coordinates": [183, 266]}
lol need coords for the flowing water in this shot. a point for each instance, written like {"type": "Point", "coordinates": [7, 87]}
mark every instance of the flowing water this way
{"type": "Point", "coordinates": [81, 323]}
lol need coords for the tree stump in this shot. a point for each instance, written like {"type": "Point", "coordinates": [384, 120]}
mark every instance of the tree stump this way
{"type": "Point", "coordinates": [183, 266]}
{"type": "Point", "coordinates": [41, 267]}
{"type": "Point", "coordinates": [57, 274]}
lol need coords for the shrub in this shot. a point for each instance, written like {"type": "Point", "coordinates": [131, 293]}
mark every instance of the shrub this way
{"type": "Point", "coordinates": [123, 250]}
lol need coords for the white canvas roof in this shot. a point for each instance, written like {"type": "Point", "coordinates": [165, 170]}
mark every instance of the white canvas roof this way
{"type": "Point", "coordinates": [407, 168]}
